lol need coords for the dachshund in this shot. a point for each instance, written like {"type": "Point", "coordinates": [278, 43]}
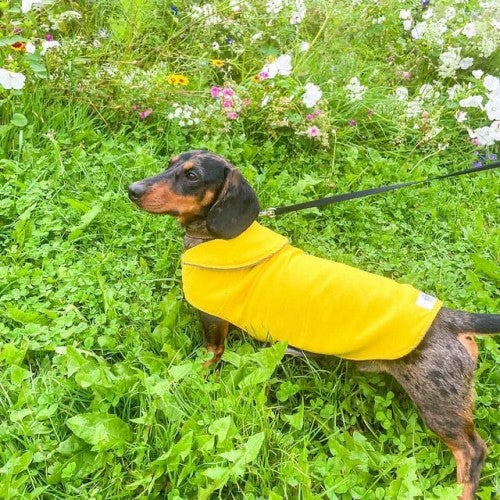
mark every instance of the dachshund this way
{"type": "Point", "coordinates": [211, 200]}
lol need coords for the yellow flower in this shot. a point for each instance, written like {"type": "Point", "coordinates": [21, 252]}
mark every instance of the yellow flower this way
{"type": "Point", "coordinates": [271, 59]}
{"type": "Point", "coordinates": [218, 63]}
{"type": "Point", "coordinates": [172, 79]}
{"type": "Point", "coordinates": [20, 46]}
{"type": "Point", "coordinates": [255, 79]}
{"type": "Point", "coordinates": [177, 80]}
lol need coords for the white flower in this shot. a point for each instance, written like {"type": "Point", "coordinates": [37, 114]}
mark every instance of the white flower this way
{"type": "Point", "coordinates": [478, 73]}
{"type": "Point", "coordinates": [30, 48]}
{"type": "Point", "coordinates": [257, 36]}
{"type": "Point", "coordinates": [304, 46]}
{"type": "Point", "coordinates": [10, 80]}
{"type": "Point", "coordinates": [491, 82]}
{"type": "Point", "coordinates": [450, 61]}
{"type": "Point", "coordinates": [312, 95]}
{"type": "Point", "coordinates": [355, 89]}
{"type": "Point", "coordinates": [401, 93]}
{"type": "Point", "coordinates": [461, 116]}
{"type": "Point", "coordinates": [405, 14]}
{"type": "Point", "coordinates": [484, 135]}
{"type": "Point", "coordinates": [469, 30]}
{"type": "Point", "coordinates": [299, 13]}
{"type": "Point", "coordinates": [265, 101]}
{"type": "Point", "coordinates": [407, 24]}
{"type": "Point", "coordinates": [450, 13]}
{"type": "Point", "coordinates": [474, 101]}
{"type": "Point", "coordinates": [378, 20]}
{"type": "Point", "coordinates": [466, 62]}
{"type": "Point", "coordinates": [495, 130]}
{"type": "Point", "coordinates": [274, 6]}
{"type": "Point", "coordinates": [492, 109]}
{"type": "Point", "coordinates": [428, 13]}
{"type": "Point", "coordinates": [215, 46]}
{"type": "Point", "coordinates": [418, 31]}
{"type": "Point", "coordinates": [281, 66]}
{"type": "Point", "coordinates": [452, 91]}
{"type": "Point", "coordinates": [414, 108]}
{"type": "Point", "coordinates": [46, 45]}
{"type": "Point", "coordinates": [428, 92]}
{"type": "Point", "coordinates": [27, 5]}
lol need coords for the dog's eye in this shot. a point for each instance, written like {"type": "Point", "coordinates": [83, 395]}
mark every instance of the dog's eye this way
{"type": "Point", "coordinates": [191, 175]}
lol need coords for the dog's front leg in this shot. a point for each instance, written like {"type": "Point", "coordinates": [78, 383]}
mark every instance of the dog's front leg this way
{"type": "Point", "coordinates": [215, 332]}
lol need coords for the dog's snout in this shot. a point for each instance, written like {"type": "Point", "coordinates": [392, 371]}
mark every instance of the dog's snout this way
{"type": "Point", "coordinates": [136, 189]}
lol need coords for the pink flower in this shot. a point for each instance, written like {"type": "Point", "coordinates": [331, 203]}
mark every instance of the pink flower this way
{"type": "Point", "coordinates": [475, 141]}
{"type": "Point", "coordinates": [313, 131]}
{"type": "Point", "coordinates": [232, 115]}
{"type": "Point", "coordinates": [227, 92]}
{"type": "Point", "coordinates": [245, 102]}
{"type": "Point", "coordinates": [49, 38]}
{"type": "Point", "coordinates": [227, 103]}
{"type": "Point", "coordinates": [318, 112]}
{"type": "Point", "coordinates": [263, 75]}
{"type": "Point", "coordinates": [406, 75]}
{"type": "Point", "coordinates": [352, 122]}
{"type": "Point", "coordinates": [144, 114]}
{"type": "Point", "coordinates": [215, 91]}
{"type": "Point", "coordinates": [309, 117]}
{"type": "Point", "coordinates": [135, 107]}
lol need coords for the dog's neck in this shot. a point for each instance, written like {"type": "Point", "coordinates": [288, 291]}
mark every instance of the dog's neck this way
{"type": "Point", "coordinates": [196, 233]}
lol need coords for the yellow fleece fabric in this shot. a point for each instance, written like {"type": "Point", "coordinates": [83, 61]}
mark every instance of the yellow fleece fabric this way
{"type": "Point", "coordinates": [273, 291]}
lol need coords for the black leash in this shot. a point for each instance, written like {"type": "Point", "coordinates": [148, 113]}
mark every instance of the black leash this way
{"type": "Point", "coordinates": [273, 212]}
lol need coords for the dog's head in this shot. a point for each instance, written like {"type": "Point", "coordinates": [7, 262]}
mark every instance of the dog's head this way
{"type": "Point", "coordinates": [200, 185]}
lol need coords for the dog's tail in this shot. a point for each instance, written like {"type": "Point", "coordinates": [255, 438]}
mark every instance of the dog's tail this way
{"type": "Point", "coordinates": [464, 322]}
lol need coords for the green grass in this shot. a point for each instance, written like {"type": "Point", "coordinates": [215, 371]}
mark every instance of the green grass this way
{"type": "Point", "coordinates": [102, 393]}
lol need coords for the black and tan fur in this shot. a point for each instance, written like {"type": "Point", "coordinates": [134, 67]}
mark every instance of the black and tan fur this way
{"type": "Point", "coordinates": [211, 199]}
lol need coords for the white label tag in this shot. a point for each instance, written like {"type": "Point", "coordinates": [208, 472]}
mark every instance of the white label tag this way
{"type": "Point", "coordinates": [426, 301]}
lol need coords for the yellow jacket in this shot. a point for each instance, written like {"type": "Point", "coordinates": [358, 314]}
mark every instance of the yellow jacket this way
{"type": "Point", "coordinates": [273, 291]}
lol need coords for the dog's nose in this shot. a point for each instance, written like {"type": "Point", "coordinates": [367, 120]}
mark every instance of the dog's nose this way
{"type": "Point", "coordinates": [136, 190]}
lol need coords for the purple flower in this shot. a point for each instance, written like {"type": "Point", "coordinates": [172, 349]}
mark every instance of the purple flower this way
{"type": "Point", "coordinates": [483, 157]}
{"type": "Point", "coordinates": [477, 164]}
{"type": "Point", "coordinates": [318, 112]}
{"type": "Point", "coordinates": [309, 117]}
{"type": "Point", "coordinates": [263, 75]}
{"type": "Point", "coordinates": [229, 40]}
{"type": "Point", "coordinates": [476, 152]}
{"type": "Point", "coordinates": [226, 103]}
{"type": "Point", "coordinates": [49, 38]}
{"type": "Point", "coordinates": [144, 114]}
{"type": "Point", "coordinates": [174, 10]}
{"type": "Point", "coordinates": [232, 115]}
{"type": "Point", "coordinates": [492, 156]}
{"type": "Point", "coordinates": [425, 3]}
{"type": "Point", "coordinates": [313, 131]}
{"type": "Point", "coordinates": [352, 122]}
{"type": "Point", "coordinates": [227, 92]}
{"type": "Point", "coordinates": [215, 91]}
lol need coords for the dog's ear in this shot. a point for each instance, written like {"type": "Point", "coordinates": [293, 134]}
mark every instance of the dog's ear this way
{"type": "Point", "coordinates": [236, 207]}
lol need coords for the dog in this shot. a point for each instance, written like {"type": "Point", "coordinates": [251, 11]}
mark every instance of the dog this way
{"type": "Point", "coordinates": [217, 207]}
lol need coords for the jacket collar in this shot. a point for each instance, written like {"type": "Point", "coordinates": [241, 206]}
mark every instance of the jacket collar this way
{"type": "Point", "coordinates": [252, 246]}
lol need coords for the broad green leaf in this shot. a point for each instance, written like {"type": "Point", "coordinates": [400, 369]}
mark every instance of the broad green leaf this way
{"type": "Point", "coordinates": [18, 374]}
{"type": "Point", "coordinates": [12, 355]}
{"type": "Point", "coordinates": [74, 360]}
{"type": "Point", "coordinates": [85, 221]}
{"type": "Point", "coordinates": [26, 317]}
{"type": "Point", "coordinates": [17, 464]}
{"type": "Point", "coordinates": [220, 428]}
{"type": "Point", "coordinates": [487, 267]}
{"type": "Point", "coordinates": [19, 120]}
{"type": "Point", "coordinates": [102, 430]}
{"type": "Point", "coordinates": [297, 419]}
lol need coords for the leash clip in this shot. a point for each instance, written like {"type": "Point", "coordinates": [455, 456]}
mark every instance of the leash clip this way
{"type": "Point", "coordinates": [268, 212]}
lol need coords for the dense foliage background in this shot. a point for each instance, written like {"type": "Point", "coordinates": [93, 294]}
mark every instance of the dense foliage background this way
{"type": "Point", "coordinates": [102, 394]}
